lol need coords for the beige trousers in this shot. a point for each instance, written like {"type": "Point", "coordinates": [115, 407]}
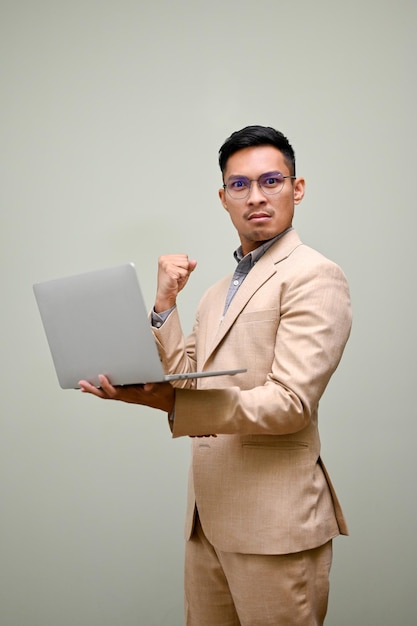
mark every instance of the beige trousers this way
{"type": "Point", "coordinates": [228, 589]}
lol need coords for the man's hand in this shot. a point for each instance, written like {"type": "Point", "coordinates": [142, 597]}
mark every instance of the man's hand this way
{"type": "Point", "coordinates": [173, 273]}
{"type": "Point", "coordinates": [156, 395]}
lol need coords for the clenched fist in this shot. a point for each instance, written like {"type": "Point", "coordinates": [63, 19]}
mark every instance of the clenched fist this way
{"type": "Point", "coordinates": [173, 273]}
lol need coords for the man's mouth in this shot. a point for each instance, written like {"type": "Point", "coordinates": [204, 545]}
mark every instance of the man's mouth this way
{"type": "Point", "coordinates": [259, 217]}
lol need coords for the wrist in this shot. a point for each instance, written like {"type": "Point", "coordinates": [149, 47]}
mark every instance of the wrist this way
{"type": "Point", "coordinates": [164, 304]}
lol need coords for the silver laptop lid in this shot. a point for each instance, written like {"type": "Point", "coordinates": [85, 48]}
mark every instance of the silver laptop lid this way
{"type": "Point", "coordinates": [97, 323]}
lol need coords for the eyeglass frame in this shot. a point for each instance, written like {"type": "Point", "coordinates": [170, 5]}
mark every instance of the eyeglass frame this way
{"type": "Point", "coordinates": [256, 180]}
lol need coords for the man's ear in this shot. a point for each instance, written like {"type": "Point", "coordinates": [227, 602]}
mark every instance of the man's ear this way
{"type": "Point", "coordinates": [222, 196]}
{"type": "Point", "coordinates": [299, 189]}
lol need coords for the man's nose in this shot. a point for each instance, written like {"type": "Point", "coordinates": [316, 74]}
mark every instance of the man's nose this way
{"type": "Point", "coordinates": [255, 193]}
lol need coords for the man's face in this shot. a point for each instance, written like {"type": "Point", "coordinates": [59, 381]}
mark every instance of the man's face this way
{"type": "Point", "coordinates": [260, 216]}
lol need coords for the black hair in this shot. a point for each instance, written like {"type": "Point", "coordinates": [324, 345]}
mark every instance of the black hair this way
{"type": "Point", "coordinates": [257, 136]}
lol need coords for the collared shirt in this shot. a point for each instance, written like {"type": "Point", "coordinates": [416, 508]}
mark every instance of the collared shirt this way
{"type": "Point", "coordinates": [245, 264]}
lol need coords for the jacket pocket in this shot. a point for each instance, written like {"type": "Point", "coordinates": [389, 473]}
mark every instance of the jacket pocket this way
{"type": "Point", "coordinates": [263, 315]}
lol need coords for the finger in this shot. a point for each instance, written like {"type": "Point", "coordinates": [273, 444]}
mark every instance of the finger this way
{"type": "Point", "coordinates": [106, 386]}
{"type": "Point", "coordinates": [172, 264]}
{"type": "Point", "coordinates": [87, 387]}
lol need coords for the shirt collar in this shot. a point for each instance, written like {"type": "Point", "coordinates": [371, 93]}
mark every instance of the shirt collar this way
{"type": "Point", "coordinates": [256, 254]}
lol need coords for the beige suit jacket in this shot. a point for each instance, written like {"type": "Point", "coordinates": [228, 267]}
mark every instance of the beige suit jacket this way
{"type": "Point", "coordinates": [260, 486]}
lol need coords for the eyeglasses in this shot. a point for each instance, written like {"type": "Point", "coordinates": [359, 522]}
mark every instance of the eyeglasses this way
{"type": "Point", "coordinates": [239, 187]}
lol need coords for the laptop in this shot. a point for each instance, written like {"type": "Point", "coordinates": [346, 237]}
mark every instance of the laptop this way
{"type": "Point", "coordinates": [97, 323]}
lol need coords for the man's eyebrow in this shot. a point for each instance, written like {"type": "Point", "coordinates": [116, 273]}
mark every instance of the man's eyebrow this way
{"type": "Point", "coordinates": [263, 174]}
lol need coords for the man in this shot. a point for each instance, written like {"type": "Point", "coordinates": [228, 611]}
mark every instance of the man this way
{"type": "Point", "coordinates": [262, 512]}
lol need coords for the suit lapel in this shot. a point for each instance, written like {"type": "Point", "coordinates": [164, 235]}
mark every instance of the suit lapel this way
{"type": "Point", "coordinates": [258, 276]}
